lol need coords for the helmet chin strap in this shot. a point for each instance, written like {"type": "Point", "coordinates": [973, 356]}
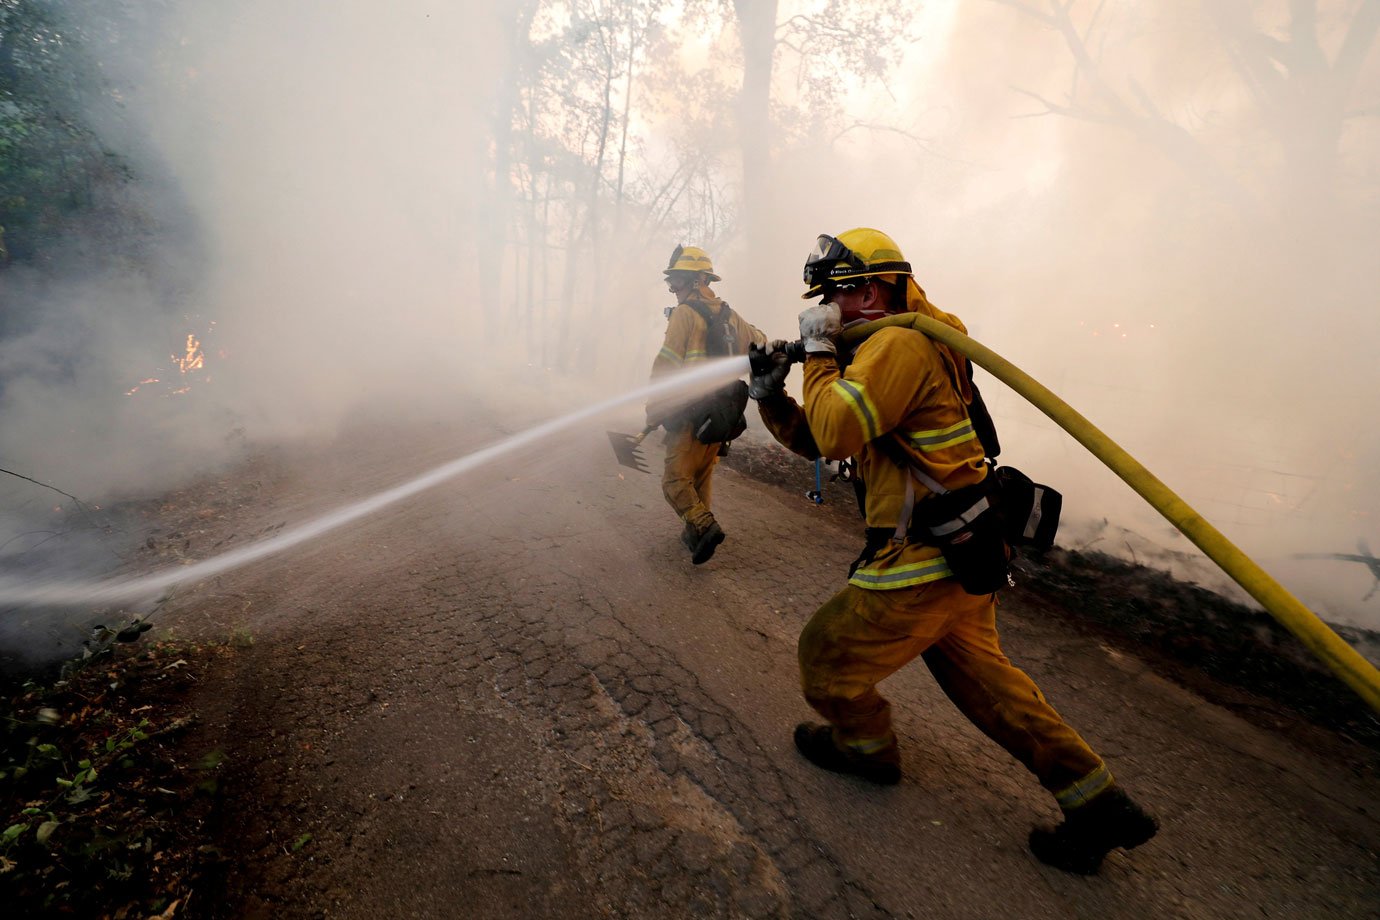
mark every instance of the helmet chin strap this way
{"type": "Point", "coordinates": [864, 316]}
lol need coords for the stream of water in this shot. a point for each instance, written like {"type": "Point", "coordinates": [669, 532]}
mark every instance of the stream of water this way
{"type": "Point", "coordinates": [132, 589]}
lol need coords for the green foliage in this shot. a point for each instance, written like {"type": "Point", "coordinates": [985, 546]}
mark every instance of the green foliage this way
{"type": "Point", "coordinates": [52, 163]}
{"type": "Point", "coordinates": [96, 811]}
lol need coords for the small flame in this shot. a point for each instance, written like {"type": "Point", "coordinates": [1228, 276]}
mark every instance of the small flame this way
{"type": "Point", "coordinates": [192, 359]}
{"type": "Point", "coordinates": [195, 359]}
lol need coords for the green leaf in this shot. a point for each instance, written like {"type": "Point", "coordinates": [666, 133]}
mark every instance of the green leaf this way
{"type": "Point", "coordinates": [301, 842]}
{"type": "Point", "coordinates": [211, 760]}
{"type": "Point", "coordinates": [45, 830]}
{"type": "Point", "coordinates": [13, 831]}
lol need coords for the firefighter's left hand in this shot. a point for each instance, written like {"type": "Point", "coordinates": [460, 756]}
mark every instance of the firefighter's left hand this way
{"type": "Point", "coordinates": [770, 365]}
{"type": "Point", "coordinates": [818, 326]}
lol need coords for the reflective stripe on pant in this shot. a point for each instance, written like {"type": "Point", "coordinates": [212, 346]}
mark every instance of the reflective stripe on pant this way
{"type": "Point", "coordinates": [860, 637]}
{"type": "Point", "coordinates": [687, 480]}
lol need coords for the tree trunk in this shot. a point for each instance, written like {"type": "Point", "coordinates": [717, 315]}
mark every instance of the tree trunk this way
{"type": "Point", "coordinates": [757, 28]}
{"type": "Point", "coordinates": [496, 200]}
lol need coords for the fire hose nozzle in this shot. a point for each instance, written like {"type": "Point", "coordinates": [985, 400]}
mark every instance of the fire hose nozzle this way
{"type": "Point", "coordinates": [761, 360]}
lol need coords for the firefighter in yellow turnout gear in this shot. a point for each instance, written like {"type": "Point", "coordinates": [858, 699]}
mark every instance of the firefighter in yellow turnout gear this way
{"type": "Point", "coordinates": [902, 397]}
{"type": "Point", "coordinates": [687, 480]}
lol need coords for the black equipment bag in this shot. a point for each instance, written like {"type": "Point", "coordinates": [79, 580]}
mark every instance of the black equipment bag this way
{"type": "Point", "coordinates": [967, 527]}
{"type": "Point", "coordinates": [719, 417]}
{"type": "Point", "coordinates": [1029, 510]}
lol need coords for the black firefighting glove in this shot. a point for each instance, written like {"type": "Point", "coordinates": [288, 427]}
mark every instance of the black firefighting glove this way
{"type": "Point", "coordinates": [769, 367]}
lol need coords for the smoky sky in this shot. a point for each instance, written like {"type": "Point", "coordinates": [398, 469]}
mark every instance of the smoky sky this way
{"type": "Point", "coordinates": [1209, 305]}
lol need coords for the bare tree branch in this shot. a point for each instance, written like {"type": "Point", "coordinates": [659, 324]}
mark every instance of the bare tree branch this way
{"type": "Point", "coordinates": [1172, 139]}
{"type": "Point", "coordinates": [1030, 11]}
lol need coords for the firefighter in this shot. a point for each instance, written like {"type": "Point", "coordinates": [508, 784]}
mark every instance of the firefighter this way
{"type": "Point", "coordinates": [901, 389]}
{"type": "Point", "coordinates": [698, 327]}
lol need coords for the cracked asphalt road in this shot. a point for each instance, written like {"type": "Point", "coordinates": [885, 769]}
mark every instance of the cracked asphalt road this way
{"type": "Point", "coordinates": [513, 696]}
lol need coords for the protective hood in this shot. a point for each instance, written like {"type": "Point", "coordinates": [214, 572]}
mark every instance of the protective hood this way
{"type": "Point", "coordinates": [917, 302]}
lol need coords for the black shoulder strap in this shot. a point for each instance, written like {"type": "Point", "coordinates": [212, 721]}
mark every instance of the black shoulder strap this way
{"type": "Point", "coordinates": [701, 309]}
{"type": "Point", "coordinates": [725, 315]}
{"type": "Point", "coordinates": [983, 426]}
{"type": "Point", "coordinates": [720, 338]}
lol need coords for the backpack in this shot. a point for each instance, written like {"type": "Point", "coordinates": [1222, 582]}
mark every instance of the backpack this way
{"type": "Point", "coordinates": [717, 417]}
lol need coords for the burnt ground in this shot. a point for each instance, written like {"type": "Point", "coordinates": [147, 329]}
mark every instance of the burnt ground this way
{"type": "Point", "coordinates": [513, 696]}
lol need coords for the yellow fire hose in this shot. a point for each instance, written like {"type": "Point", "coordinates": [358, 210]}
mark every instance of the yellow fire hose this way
{"type": "Point", "coordinates": [1335, 652]}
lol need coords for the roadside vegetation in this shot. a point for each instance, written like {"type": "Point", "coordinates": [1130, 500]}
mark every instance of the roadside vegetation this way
{"type": "Point", "coordinates": [102, 817]}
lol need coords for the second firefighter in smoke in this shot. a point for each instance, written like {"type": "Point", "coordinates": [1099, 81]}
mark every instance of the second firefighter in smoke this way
{"type": "Point", "coordinates": [700, 326]}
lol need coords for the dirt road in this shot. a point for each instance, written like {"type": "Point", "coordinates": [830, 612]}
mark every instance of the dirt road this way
{"type": "Point", "coordinates": [515, 697]}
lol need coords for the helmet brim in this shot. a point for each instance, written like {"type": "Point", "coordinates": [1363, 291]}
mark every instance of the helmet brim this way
{"type": "Point", "coordinates": [709, 276]}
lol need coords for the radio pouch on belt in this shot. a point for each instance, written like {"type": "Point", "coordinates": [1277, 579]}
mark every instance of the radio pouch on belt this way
{"type": "Point", "coordinates": [974, 526]}
{"type": "Point", "coordinates": [963, 523]}
{"type": "Point", "coordinates": [966, 527]}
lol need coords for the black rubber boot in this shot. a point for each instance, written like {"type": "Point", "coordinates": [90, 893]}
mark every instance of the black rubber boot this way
{"type": "Point", "coordinates": [1091, 831]}
{"type": "Point", "coordinates": [816, 742]}
{"type": "Point", "coordinates": [706, 542]}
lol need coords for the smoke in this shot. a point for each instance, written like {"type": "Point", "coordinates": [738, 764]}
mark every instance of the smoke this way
{"type": "Point", "coordinates": [324, 163]}
{"type": "Point", "coordinates": [1206, 302]}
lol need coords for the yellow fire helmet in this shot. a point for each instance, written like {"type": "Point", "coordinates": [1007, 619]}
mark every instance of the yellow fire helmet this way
{"type": "Point", "coordinates": [858, 253]}
{"type": "Point", "coordinates": [691, 259]}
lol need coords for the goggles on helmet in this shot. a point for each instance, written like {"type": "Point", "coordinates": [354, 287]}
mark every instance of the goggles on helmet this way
{"type": "Point", "coordinates": [830, 258]}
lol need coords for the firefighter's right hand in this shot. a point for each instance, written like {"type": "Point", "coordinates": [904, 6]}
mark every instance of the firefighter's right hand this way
{"type": "Point", "coordinates": [770, 365]}
{"type": "Point", "coordinates": [819, 324]}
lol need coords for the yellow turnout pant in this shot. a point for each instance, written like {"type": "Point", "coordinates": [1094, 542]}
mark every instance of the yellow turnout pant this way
{"type": "Point", "coordinates": [687, 480]}
{"type": "Point", "coordinates": [860, 637]}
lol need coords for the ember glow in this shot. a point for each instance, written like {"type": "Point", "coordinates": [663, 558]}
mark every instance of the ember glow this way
{"type": "Point", "coordinates": [135, 389]}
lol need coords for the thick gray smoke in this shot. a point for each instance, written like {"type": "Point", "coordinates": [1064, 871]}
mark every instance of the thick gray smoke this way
{"type": "Point", "coordinates": [1207, 302]}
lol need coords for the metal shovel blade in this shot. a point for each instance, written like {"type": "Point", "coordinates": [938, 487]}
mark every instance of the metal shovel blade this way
{"type": "Point", "coordinates": [626, 449]}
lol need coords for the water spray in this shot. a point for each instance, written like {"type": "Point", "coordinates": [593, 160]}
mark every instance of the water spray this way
{"type": "Point", "coordinates": [136, 589]}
